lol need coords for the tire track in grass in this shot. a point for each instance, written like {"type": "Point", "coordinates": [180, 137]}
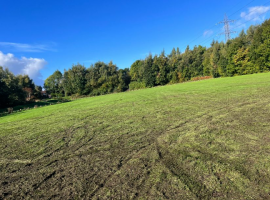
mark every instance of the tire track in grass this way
{"type": "Point", "coordinates": [122, 162]}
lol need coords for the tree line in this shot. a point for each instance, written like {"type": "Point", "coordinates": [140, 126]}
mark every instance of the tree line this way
{"type": "Point", "coordinates": [98, 79]}
{"type": "Point", "coordinates": [246, 54]}
{"type": "Point", "coordinates": [16, 90]}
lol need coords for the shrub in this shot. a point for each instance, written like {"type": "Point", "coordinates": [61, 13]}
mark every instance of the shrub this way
{"type": "Point", "coordinates": [75, 96]}
{"type": "Point", "coordinates": [135, 85]}
{"type": "Point", "coordinates": [200, 78]}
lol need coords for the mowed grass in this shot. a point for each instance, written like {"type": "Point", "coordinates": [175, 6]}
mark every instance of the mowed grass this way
{"type": "Point", "coordinates": [198, 140]}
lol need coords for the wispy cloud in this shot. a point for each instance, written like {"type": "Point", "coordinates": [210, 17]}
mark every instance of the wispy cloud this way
{"type": "Point", "coordinates": [255, 13]}
{"type": "Point", "coordinates": [21, 47]}
{"type": "Point", "coordinates": [23, 65]}
{"type": "Point", "coordinates": [238, 25]}
{"type": "Point", "coordinates": [207, 33]}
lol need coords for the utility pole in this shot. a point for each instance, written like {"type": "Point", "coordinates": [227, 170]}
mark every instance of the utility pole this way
{"type": "Point", "coordinates": [227, 32]}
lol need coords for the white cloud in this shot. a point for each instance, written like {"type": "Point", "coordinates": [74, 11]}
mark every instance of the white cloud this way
{"type": "Point", "coordinates": [27, 47]}
{"type": "Point", "coordinates": [23, 65]}
{"type": "Point", "coordinates": [207, 33]}
{"type": "Point", "coordinates": [254, 13]}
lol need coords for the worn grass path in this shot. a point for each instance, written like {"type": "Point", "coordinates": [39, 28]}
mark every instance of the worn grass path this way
{"type": "Point", "coordinates": [198, 140]}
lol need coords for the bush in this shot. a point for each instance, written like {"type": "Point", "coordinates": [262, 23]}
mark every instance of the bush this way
{"type": "Point", "coordinates": [75, 96]}
{"type": "Point", "coordinates": [200, 78]}
{"type": "Point", "coordinates": [135, 85]}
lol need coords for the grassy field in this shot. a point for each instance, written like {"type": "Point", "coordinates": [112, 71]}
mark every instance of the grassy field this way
{"type": "Point", "coordinates": [198, 140]}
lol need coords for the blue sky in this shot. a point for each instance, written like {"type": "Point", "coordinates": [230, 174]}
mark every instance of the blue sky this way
{"type": "Point", "coordinates": [39, 37]}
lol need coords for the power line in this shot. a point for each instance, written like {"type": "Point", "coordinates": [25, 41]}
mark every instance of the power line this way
{"type": "Point", "coordinates": [215, 25]}
{"type": "Point", "coordinates": [255, 10]}
{"type": "Point", "coordinates": [212, 37]}
{"type": "Point", "coordinates": [227, 31]}
{"type": "Point", "coordinates": [199, 36]}
{"type": "Point", "coordinates": [241, 8]}
{"type": "Point", "coordinates": [252, 18]}
{"type": "Point", "coordinates": [208, 39]}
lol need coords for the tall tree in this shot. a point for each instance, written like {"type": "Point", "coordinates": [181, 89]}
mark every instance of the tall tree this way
{"type": "Point", "coordinates": [136, 70]}
{"type": "Point", "coordinates": [161, 63]}
{"type": "Point", "coordinates": [53, 83]}
{"type": "Point", "coordinates": [148, 74]}
{"type": "Point", "coordinates": [11, 91]}
{"type": "Point", "coordinates": [77, 79]}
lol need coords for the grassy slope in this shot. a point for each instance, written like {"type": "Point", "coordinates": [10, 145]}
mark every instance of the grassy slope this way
{"type": "Point", "coordinates": [197, 140]}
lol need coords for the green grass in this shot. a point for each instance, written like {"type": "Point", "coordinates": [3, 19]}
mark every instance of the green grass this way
{"type": "Point", "coordinates": [198, 140]}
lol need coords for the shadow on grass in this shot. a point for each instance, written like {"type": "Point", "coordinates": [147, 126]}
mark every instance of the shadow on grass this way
{"type": "Point", "coordinates": [28, 106]}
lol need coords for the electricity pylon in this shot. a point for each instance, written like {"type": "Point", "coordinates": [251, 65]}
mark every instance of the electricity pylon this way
{"type": "Point", "coordinates": [227, 32]}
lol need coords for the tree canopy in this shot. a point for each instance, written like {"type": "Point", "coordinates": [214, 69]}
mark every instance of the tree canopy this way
{"type": "Point", "coordinates": [15, 90]}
